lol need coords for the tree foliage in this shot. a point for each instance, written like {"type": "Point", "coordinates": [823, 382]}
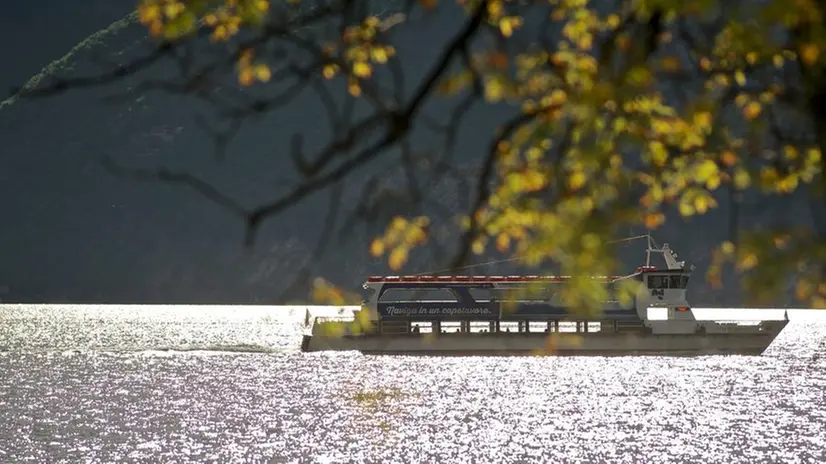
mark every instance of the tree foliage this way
{"type": "Point", "coordinates": [623, 110]}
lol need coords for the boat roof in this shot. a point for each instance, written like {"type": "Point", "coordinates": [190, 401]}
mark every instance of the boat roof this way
{"type": "Point", "coordinates": [452, 279]}
{"type": "Point", "coordinates": [475, 279]}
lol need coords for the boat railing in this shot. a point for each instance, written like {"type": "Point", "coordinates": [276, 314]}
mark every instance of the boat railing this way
{"type": "Point", "coordinates": [325, 325]}
{"type": "Point", "coordinates": [322, 319]}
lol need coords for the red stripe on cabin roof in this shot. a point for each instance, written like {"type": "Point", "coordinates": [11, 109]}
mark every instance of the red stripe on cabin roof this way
{"type": "Point", "coordinates": [649, 269]}
{"type": "Point", "coordinates": [465, 278]}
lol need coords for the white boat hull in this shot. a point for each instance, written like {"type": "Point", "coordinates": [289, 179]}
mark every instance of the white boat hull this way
{"type": "Point", "coordinates": [579, 344]}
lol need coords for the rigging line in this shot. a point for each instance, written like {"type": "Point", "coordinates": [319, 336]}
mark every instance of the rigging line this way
{"type": "Point", "coordinates": [469, 266]}
{"type": "Point", "coordinates": [628, 239]}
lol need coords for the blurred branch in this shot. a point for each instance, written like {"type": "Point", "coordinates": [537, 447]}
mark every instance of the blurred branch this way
{"type": "Point", "coordinates": [483, 188]}
{"type": "Point", "coordinates": [179, 178]}
{"type": "Point", "coordinates": [397, 125]}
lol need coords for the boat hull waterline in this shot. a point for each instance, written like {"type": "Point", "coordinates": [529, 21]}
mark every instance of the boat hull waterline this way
{"type": "Point", "coordinates": [563, 344]}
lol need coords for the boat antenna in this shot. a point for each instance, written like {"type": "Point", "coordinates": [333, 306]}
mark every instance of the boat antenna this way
{"type": "Point", "coordinates": [648, 249]}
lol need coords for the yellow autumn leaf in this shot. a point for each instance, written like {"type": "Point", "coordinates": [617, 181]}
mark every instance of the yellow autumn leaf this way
{"type": "Point", "coordinates": [713, 182]}
{"type": "Point", "coordinates": [496, 8]}
{"type": "Point", "coordinates": [752, 110]}
{"type": "Point", "coordinates": [788, 184]}
{"type": "Point", "coordinates": [813, 155]}
{"type": "Point", "coordinates": [659, 155]}
{"type": "Point", "coordinates": [262, 73]}
{"type": "Point", "coordinates": [416, 235]}
{"type": "Point", "coordinates": [612, 21]}
{"type": "Point", "coordinates": [780, 241]}
{"type": "Point", "coordinates": [397, 258]}
{"type": "Point", "coordinates": [747, 261]}
{"type": "Point", "coordinates": [729, 158]}
{"type": "Point", "coordinates": [379, 55]}
{"type": "Point", "coordinates": [705, 170]}
{"type": "Point", "coordinates": [503, 243]}
{"type": "Point", "coordinates": [421, 221]}
{"type": "Point", "coordinates": [210, 19]}
{"type": "Point", "coordinates": [494, 90]}
{"type": "Point", "coordinates": [329, 71]}
{"type": "Point", "coordinates": [246, 76]}
{"type": "Point", "coordinates": [701, 204]}
{"type": "Point", "coordinates": [702, 119]}
{"type": "Point", "coordinates": [727, 247]}
{"type": "Point", "coordinates": [557, 97]}
{"type": "Point", "coordinates": [576, 180]}
{"type": "Point", "coordinates": [742, 179]}
{"type": "Point", "coordinates": [148, 13]}
{"type": "Point", "coordinates": [377, 247]}
{"type": "Point", "coordinates": [654, 220]}
{"type": "Point", "coordinates": [508, 24]}
{"type": "Point", "coordinates": [399, 223]}
{"type": "Point", "coordinates": [809, 53]}
{"type": "Point", "coordinates": [362, 69]}
{"type": "Point", "coordinates": [740, 78]}
{"type": "Point", "coordinates": [173, 9]}
{"type": "Point", "coordinates": [534, 181]}
{"type": "Point", "coordinates": [686, 209]}
{"type": "Point", "coordinates": [777, 60]}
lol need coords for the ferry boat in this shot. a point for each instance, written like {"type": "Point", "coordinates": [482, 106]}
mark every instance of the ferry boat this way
{"type": "Point", "coordinates": [473, 315]}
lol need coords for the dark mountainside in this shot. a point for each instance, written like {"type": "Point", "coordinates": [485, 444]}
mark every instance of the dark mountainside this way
{"type": "Point", "coordinates": [73, 232]}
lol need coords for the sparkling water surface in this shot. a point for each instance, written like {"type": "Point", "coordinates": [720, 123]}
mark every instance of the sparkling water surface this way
{"type": "Point", "coordinates": [228, 384]}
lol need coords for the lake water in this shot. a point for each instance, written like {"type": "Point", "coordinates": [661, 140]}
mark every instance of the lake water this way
{"type": "Point", "coordinates": [228, 384]}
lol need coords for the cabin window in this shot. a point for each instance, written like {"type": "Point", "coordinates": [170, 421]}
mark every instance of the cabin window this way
{"type": "Point", "coordinates": [678, 281]}
{"type": "Point", "coordinates": [658, 281]}
{"type": "Point", "coordinates": [480, 294]}
{"type": "Point", "coordinates": [399, 295]}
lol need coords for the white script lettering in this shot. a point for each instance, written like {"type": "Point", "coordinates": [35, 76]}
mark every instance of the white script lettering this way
{"type": "Point", "coordinates": [411, 311]}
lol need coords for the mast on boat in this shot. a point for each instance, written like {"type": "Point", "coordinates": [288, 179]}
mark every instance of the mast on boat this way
{"type": "Point", "coordinates": [669, 255]}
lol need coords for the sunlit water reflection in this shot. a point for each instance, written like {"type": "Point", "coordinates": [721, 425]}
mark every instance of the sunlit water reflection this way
{"type": "Point", "coordinates": [227, 384]}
